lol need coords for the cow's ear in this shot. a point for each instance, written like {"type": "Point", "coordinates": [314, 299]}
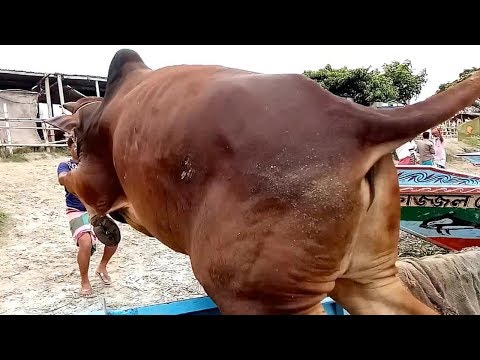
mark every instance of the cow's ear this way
{"type": "Point", "coordinates": [70, 106]}
{"type": "Point", "coordinates": [64, 122]}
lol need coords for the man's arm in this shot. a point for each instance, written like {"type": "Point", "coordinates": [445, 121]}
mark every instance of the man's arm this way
{"type": "Point", "coordinates": [62, 172]}
{"type": "Point", "coordinates": [61, 178]}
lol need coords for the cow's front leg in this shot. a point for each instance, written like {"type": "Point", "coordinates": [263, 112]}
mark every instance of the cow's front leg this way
{"type": "Point", "coordinates": [99, 193]}
{"type": "Point", "coordinates": [96, 186]}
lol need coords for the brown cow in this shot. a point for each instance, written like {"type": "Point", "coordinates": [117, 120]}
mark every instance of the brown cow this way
{"type": "Point", "coordinates": [280, 192]}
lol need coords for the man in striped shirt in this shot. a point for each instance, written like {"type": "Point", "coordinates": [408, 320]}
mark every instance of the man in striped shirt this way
{"type": "Point", "coordinates": [82, 230]}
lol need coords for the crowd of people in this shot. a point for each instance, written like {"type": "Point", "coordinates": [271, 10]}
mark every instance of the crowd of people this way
{"type": "Point", "coordinates": [429, 150]}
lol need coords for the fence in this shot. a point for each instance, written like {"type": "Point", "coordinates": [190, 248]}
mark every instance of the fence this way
{"type": "Point", "coordinates": [450, 127]}
{"type": "Point", "coordinates": [22, 124]}
{"type": "Point", "coordinates": [29, 133]}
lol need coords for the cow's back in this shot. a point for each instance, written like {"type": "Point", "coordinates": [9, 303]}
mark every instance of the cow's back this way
{"type": "Point", "coordinates": [267, 136]}
{"type": "Point", "coordinates": [222, 118]}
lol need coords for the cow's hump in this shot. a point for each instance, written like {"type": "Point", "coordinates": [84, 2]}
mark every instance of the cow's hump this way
{"type": "Point", "coordinates": [123, 62]}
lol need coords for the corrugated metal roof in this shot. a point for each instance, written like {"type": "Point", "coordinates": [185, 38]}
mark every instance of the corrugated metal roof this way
{"type": "Point", "coordinates": [74, 85]}
{"type": "Point", "coordinates": [34, 73]}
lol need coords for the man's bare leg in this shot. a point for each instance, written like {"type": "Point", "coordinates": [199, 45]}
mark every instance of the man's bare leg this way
{"type": "Point", "coordinates": [102, 272]}
{"type": "Point", "coordinates": [83, 259]}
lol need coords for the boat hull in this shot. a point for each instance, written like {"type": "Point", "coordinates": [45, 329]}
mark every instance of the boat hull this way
{"type": "Point", "coordinates": [473, 158]}
{"type": "Point", "coordinates": [441, 206]}
{"type": "Point", "coordinates": [195, 306]}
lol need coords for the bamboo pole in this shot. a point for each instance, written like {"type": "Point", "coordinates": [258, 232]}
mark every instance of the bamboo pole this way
{"type": "Point", "coordinates": [50, 112]}
{"type": "Point", "coordinates": [60, 92]}
{"type": "Point", "coordinates": [52, 145]}
{"type": "Point", "coordinates": [7, 126]}
{"type": "Point", "coordinates": [23, 120]}
{"type": "Point", "coordinates": [97, 89]}
{"type": "Point", "coordinates": [22, 127]}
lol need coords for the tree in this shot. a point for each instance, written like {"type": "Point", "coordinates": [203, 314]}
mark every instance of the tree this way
{"type": "Point", "coordinates": [462, 76]}
{"type": "Point", "coordinates": [365, 86]}
{"type": "Point", "coordinates": [404, 80]}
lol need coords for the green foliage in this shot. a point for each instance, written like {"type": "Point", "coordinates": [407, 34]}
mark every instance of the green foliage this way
{"type": "Point", "coordinates": [397, 82]}
{"type": "Point", "coordinates": [408, 84]}
{"type": "Point", "coordinates": [462, 76]}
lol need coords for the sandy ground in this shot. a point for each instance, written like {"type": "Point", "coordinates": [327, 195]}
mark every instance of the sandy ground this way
{"type": "Point", "coordinates": [38, 269]}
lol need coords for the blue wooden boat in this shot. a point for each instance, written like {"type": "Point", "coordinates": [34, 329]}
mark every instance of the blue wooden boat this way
{"type": "Point", "coordinates": [473, 157]}
{"type": "Point", "coordinates": [195, 306]}
{"type": "Point", "coordinates": [439, 205]}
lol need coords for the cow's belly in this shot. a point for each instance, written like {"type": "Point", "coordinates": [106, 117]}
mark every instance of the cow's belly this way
{"type": "Point", "coordinates": [265, 248]}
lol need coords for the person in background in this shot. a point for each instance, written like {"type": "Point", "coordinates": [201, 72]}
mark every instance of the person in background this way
{"type": "Point", "coordinates": [426, 151]}
{"type": "Point", "coordinates": [440, 157]}
{"type": "Point", "coordinates": [406, 153]}
{"type": "Point", "coordinates": [82, 230]}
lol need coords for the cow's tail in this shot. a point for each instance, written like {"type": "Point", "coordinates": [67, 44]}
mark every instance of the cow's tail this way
{"type": "Point", "coordinates": [388, 129]}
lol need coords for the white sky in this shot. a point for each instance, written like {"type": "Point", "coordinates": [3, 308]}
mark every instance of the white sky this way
{"type": "Point", "coordinates": [443, 62]}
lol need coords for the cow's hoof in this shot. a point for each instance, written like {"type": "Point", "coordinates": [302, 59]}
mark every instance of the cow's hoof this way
{"type": "Point", "coordinates": [107, 231]}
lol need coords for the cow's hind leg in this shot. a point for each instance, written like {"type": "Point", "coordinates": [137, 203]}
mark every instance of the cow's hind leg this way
{"type": "Point", "coordinates": [264, 291]}
{"type": "Point", "coordinates": [377, 298]}
{"type": "Point", "coordinates": [237, 291]}
{"type": "Point", "coordinates": [260, 255]}
{"type": "Point", "coordinates": [371, 284]}
{"type": "Point", "coordinates": [236, 307]}
{"type": "Point", "coordinates": [229, 305]}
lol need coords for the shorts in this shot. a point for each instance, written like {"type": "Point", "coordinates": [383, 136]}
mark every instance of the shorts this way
{"type": "Point", "coordinates": [79, 222]}
{"type": "Point", "coordinates": [428, 163]}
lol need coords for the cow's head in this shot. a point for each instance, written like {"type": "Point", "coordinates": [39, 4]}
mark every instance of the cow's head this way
{"type": "Point", "coordinates": [91, 124]}
{"type": "Point", "coordinates": [94, 181]}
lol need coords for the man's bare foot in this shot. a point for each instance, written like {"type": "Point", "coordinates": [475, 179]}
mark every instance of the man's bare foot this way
{"type": "Point", "coordinates": [86, 290]}
{"type": "Point", "coordinates": [103, 275]}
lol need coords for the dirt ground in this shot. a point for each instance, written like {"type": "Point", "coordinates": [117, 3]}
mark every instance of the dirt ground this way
{"type": "Point", "coordinates": [38, 269]}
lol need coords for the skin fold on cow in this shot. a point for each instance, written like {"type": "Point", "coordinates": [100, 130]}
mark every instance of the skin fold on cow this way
{"type": "Point", "coordinates": [280, 192]}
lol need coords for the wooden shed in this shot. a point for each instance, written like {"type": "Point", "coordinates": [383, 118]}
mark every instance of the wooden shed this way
{"type": "Point", "coordinates": [26, 98]}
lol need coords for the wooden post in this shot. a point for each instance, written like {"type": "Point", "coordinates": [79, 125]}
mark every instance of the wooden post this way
{"type": "Point", "coordinates": [50, 112]}
{"type": "Point", "coordinates": [62, 98]}
{"type": "Point", "coordinates": [60, 91]}
{"type": "Point", "coordinates": [45, 133]}
{"type": "Point", "coordinates": [97, 89]}
{"type": "Point", "coordinates": [7, 128]}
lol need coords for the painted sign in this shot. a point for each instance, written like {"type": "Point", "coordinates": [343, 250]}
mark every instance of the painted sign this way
{"type": "Point", "coordinates": [440, 205]}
